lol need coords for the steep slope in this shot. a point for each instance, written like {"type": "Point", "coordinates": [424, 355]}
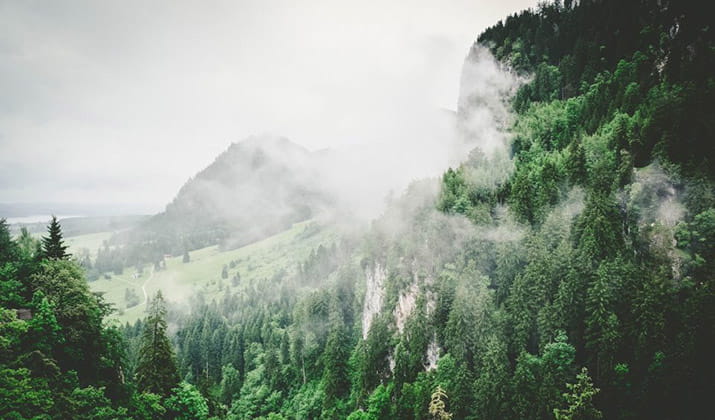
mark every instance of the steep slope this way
{"type": "Point", "coordinates": [245, 267]}
{"type": "Point", "coordinates": [565, 269]}
{"type": "Point", "coordinates": [256, 188]}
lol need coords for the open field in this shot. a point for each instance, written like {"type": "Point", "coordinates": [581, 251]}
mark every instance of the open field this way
{"type": "Point", "coordinates": [91, 242]}
{"type": "Point", "coordinates": [179, 280]}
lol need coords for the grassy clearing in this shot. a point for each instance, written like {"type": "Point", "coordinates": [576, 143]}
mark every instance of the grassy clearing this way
{"type": "Point", "coordinates": [91, 242]}
{"type": "Point", "coordinates": [179, 281]}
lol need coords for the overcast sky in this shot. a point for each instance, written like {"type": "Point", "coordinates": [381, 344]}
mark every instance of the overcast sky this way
{"type": "Point", "coordinates": [122, 101]}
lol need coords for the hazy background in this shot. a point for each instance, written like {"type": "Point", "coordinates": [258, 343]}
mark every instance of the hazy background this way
{"type": "Point", "coordinates": [120, 102]}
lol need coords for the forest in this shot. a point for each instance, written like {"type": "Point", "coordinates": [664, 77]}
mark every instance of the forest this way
{"type": "Point", "coordinates": [570, 276]}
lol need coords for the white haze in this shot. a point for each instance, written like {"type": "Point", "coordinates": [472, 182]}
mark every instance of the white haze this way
{"type": "Point", "coordinates": [480, 133]}
{"type": "Point", "coordinates": [361, 176]}
{"type": "Point", "coordinates": [484, 114]}
{"type": "Point", "coordinates": [122, 101]}
{"type": "Point", "coordinates": [654, 196]}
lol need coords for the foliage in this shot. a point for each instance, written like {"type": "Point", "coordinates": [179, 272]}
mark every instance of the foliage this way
{"type": "Point", "coordinates": [156, 370]}
{"type": "Point", "coordinates": [438, 405]}
{"type": "Point", "coordinates": [53, 246]}
{"type": "Point", "coordinates": [57, 360]}
{"type": "Point", "coordinates": [587, 247]}
{"type": "Point", "coordinates": [186, 403]}
{"type": "Point", "coordinates": [579, 400]}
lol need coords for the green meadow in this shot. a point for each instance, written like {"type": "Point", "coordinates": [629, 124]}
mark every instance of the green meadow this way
{"type": "Point", "coordinates": [91, 242]}
{"type": "Point", "coordinates": [202, 275]}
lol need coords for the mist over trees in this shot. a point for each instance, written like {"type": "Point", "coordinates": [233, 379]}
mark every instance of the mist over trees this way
{"type": "Point", "coordinates": [256, 188]}
{"type": "Point", "coordinates": [563, 271]}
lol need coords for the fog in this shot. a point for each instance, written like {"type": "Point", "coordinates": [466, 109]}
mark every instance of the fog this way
{"type": "Point", "coordinates": [259, 182]}
{"type": "Point", "coordinates": [121, 102]}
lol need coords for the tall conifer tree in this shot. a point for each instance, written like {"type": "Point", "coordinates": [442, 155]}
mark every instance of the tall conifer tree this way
{"type": "Point", "coordinates": [53, 246]}
{"type": "Point", "coordinates": [156, 368]}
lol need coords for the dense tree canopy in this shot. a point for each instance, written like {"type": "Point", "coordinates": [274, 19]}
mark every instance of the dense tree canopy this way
{"type": "Point", "coordinates": [576, 282]}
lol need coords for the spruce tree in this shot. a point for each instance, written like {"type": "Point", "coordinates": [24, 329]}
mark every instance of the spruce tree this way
{"type": "Point", "coordinates": [53, 246]}
{"type": "Point", "coordinates": [156, 368]}
{"type": "Point", "coordinates": [336, 372]}
{"type": "Point", "coordinates": [579, 400]}
{"type": "Point", "coordinates": [8, 248]}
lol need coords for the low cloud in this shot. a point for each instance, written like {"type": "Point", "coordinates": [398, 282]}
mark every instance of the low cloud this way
{"type": "Point", "coordinates": [150, 93]}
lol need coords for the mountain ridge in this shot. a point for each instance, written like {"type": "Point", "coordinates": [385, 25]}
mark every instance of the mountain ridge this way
{"type": "Point", "coordinates": [253, 189]}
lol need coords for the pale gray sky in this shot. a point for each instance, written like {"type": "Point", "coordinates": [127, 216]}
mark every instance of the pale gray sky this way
{"type": "Point", "coordinates": [122, 101]}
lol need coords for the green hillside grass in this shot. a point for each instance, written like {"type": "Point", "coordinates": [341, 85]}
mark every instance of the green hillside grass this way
{"type": "Point", "coordinates": [91, 242]}
{"type": "Point", "coordinates": [180, 281]}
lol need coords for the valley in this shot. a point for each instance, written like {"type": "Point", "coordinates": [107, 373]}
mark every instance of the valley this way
{"type": "Point", "coordinates": [558, 265]}
{"type": "Point", "coordinates": [202, 275]}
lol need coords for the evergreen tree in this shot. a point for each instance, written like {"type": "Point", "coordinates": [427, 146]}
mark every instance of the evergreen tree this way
{"type": "Point", "coordinates": [187, 403]}
{"type": "Point", "coordinates": [335, 374]}
{"type": "Point", "coordinates": [491, 387]}
{"type": "Point", "coordinates": [230, 384]}
{"type": "Point", "coordinates": [8, 248]}
{"type": "Point", "coordinates": [44, 331]}
{"type": "Point", "coordinates": [375, 369]}
{"type": "Point", "coordinates": [156, 370]}
{"type": "Point", "coordinates": [285, 348]}
{"type": "Point", "coordinates": [579, 400]}
{"type": "Point", "coordinates": [79, 313]}
{"type": "Point", "coordinates": [53, 246]}
{"type": "Point", "coordinates": [602, 324]}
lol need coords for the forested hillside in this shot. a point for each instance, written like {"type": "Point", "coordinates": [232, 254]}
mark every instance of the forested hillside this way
{"type": "Point", "coordinates": [256, 188]}
{"type": "Point", "coordinates": [613, 182]}
{"type": "Point", "coordinates": [564, 271]}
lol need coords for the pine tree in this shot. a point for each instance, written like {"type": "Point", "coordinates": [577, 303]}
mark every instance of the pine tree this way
{"type": "Point", "coordinates": [375, 368]}
{"type": "Point", "coordinates": [491, 387]}
{"type": "Point", "coordinates": [285, 348]}
{"type": "Point", "coordinates": [335, 359]}
{"type": "Point", "coordinates": [8, 248]}
{"type": "Point", "coordinates": [53, 246]}
{"type": "Point", "coordinates": [579, 400]}
{"type": "Point", "coordinates": [230, 384]}
{"type": "Point", "coordinates": [602, 324]}
{"type": "Point", "coordinates": [156, 370]}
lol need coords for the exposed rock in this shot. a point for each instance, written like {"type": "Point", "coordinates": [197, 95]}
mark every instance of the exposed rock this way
{"type": "Point", "coordinates": [374, 296]}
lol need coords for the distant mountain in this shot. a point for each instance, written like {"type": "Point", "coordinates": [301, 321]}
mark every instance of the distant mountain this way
{"type": "Point", "coordinates": [255, 188]}
{"type": "Point", "coordinates": [262, 185]}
